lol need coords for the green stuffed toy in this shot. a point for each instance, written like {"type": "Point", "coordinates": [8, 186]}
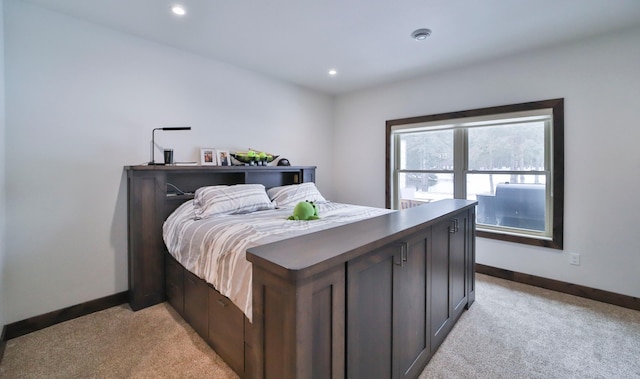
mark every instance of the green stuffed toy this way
{"type": "Point", "coordinates": [305, 210]}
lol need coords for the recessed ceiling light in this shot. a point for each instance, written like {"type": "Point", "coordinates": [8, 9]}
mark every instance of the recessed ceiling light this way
{"type": "Point", "coordinates": [178, 9]}
{"type": "Point", "coordinates": [333, 72]}
{"type": "Point", "coordinates": [421, 34]}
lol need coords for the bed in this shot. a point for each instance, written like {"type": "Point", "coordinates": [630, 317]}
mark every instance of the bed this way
{"type": "Point", "coordinates": [362, 292]}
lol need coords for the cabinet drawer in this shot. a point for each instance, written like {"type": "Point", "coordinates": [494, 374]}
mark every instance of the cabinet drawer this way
{"type": "Point", "coordinates": [196, 303]}
{"type": "Point", "coordinates": [226, 330]}
{"type": "Point", "coordinates": [174, 284]}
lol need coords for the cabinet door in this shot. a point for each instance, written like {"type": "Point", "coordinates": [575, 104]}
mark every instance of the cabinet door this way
{"type": "Point", "coordinates": [196, 303]}
{"type": "Point", "coordinates": [440, 310]}
{"type": "Point", "coordinates": [471, 257]}
{"type": "Point", "coordinates": [458, 263]}
{"type": "Point", "coordinates": [226, 330]}
{"type": "Point", "coordinates": [448, 270]}
{"type": "Point", "coordinates": [369, 314]}
{"type": "Point", "coordinates": [411, 335]}
{"type": "Point", "coordinates": [388, 314]}
{"type": "Point", "coordinates": [174, 284]}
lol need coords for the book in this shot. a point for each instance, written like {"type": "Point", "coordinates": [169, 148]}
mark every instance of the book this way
{"type": "Point", "coordinates": [185, 163]}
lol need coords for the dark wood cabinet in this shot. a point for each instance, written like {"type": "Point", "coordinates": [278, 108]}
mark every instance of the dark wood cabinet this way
{"type": "Point", "coordinates": [411, 294]}
{"type": "Point", "coordinates": [458, 262]}
{"type": "Point", "coordinates": [470, 241]}
{"type": "Point", "coordinates": [418, 287]}
{"type": "Point", "coordinates": [226, 330]}
{"type": "Point", "coordinates": [174, 285]}
{"type": "Point", "coordinates": [196, 303]}
{"type": "Point", "coordinates": [407, 282]}
{"type": "Point", "coordinates": [452, 261]}
{"type": "Point", "coordinates": [370, 296]}
{"type": "Point", "coordinates": [393, 282]}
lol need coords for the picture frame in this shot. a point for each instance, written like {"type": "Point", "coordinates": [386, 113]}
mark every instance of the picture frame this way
{"type": "Point", "coordinates": [208, 156]}
{"type": "Point", "coordinates": [223, 157]}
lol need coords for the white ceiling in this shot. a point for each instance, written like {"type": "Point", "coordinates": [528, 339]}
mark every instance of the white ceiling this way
{"type": "Point", "coordinates": [367, 41]}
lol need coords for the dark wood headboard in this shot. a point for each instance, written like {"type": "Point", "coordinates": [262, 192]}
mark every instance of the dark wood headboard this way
{"type": "Point", "coordinates": [156, 191]}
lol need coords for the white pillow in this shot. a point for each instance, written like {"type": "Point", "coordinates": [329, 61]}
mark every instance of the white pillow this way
{"type": "Point", "coordinates": [291, 195]}
{"type": "Point", "coordinates": [236, 199]}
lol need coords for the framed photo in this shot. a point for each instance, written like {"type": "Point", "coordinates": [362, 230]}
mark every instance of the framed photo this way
{"type": "Point", "coordinates": [224, 159]}
{"type": "Point", "coordinates": [208, 157]}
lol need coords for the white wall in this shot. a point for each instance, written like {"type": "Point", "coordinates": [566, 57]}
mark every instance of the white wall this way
{"type": "Point", "coordinates": [2, 168]}
{"type": "Point", "coordinates": [600, 81]}
{"type": "Point", "coordinates": [81, 103]}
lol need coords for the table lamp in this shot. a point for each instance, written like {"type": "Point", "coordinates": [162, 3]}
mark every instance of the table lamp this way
{"type": "Point", "coordinates": [153, 142]}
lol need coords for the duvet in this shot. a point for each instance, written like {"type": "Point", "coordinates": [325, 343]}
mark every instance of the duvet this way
{"type": "Point", "coordinates": [214, 248]}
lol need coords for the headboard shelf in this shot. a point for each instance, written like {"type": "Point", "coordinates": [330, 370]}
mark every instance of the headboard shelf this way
{"type": "Point", "coordinates": [156, 191]}
{"type": "Point", "coordinates": [179, 197]}
{"type": "Point", "coordinates": [186, 179]}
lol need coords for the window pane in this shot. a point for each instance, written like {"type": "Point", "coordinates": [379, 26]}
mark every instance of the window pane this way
{"type": "Point", "coordinates": [504, 158]}
{"type": "Point", "coordinates": [503, 201]}
{"type": "Point", "coordinates": [516, 147]}
{"type": "Point", "coordinates": [418, 188]}
{"type": "Point", "coordinates": [427, 150]}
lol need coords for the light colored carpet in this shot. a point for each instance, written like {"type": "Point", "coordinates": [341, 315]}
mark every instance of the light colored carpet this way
{"type": "Point", "coordinates": [511, 331]}
{"type": "Point", "coordinates": [519, 331]}
{"type": "Point", "coordinates": [115, 343]}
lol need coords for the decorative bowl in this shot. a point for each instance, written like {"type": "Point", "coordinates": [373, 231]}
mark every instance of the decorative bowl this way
{"type": "Point", "coordinates": [253, 160]}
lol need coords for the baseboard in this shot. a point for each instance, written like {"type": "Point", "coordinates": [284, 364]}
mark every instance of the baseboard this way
{"type": "Point", "coordinates": [3, 342]}
{"type": "Point", "coordinates": [35, 323]}
{"type": "Point", "coordinates": [564, 287]}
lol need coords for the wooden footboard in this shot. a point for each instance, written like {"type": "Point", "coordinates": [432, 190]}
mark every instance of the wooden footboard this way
{"type": "Point", "coordinates": [371, 299]}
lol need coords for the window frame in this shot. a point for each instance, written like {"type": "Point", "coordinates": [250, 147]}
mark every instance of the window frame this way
{"type": "Point", "coordinates": [556, 156]}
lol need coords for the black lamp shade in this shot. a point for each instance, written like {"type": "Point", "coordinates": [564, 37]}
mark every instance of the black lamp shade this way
{"type": "Point", "coordinates": [175, 128]}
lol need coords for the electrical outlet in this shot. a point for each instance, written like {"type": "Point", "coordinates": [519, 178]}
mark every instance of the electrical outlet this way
{"type": "Point", "coordinates": [574, 259]}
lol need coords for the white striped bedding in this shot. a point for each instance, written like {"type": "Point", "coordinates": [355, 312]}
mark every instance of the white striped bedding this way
{"type": "Point", "coordinates": [214, 248]}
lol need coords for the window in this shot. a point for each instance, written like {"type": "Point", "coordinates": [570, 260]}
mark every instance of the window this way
{"type": "Point", "coordinates": [508, 158]}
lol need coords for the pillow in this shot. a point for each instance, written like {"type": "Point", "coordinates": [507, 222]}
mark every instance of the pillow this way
{"type": "Point", "coordinates": [236, 199]}
{"type": "Point", "coordinates": [291, 195]}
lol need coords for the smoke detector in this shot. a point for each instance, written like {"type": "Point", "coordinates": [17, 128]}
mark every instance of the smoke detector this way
{"type": "Point", "coordinates": [421, 34]}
